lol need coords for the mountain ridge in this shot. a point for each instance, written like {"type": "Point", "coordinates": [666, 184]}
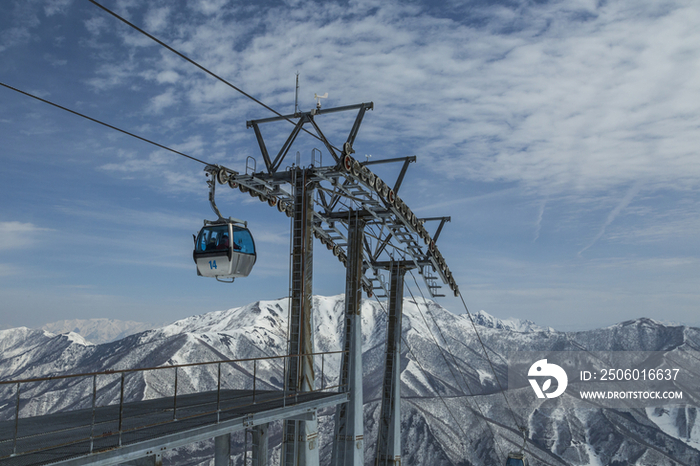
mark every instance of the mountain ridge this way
{"type": "Point", "coordinates": [99, 330]}
{"type": "Point", "coordinates": [441, 392]}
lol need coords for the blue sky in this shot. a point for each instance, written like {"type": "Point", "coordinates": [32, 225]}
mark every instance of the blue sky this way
{"type": "Point", "coordinates": [561, 137]}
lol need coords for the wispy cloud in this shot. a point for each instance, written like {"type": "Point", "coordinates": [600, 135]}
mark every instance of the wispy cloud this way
{"type": "Point", "coordinates": [538, 222]}
{"type": "Point", "coordinates": [24, 20]}
{"type": "Point", "coordinates": [556, 107]}
{"type": "Point", "coordinates": [633, 191]}
{"type": "Point", "coordinates": [453, 202]}
{"type": "Point", "coordinates": [16, 235]}
{"type": "Point", "coordinates": [157, 19]}
{"type": "Point", "coordinates": [112, 215]}
{"type": "Point", "coordinates": [162, 101]}
{"type": "Point", "coordinates": [131, 162]}
{"type": "Point", "coordinates": [560, 97]}
{"type": "Point", "coordinates": [52, 7]}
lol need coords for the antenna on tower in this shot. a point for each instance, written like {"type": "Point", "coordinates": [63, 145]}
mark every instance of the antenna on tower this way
{"type": "Point", "coordinates": [296, 96]}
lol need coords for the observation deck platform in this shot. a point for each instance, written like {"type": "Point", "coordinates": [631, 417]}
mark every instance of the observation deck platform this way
{"type": "Point", "coordinates": [103, 436]}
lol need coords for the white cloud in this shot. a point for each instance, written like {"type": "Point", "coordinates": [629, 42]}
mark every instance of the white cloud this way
{"type": "Point", "coordinates": [55, 62]}
{"type": "Point", "coordinates": [160, 166]}
{"type": "Point", "coordinates": [24, 20]}
{"type": "Point", "coordinates": [16, 235]}
{"type": "Point", "coordinates": [633, 191]}
{"type": "Point", "coordinates": [677, 224]}
{"type": "Point", "coordinates": [538, 223]}
{"type": "Point", "coordinates": [110, 75]}
{"type": "Point", "coordinates": [96, 25]}
{"type": "Point", "coordinates": [157, 19]}
{"type": "Point", "coordinates": [582, 105]}
{"type": "Point", "coordinates": [567, 101]}
{"type": "Point", "coordinates": [167, 77]}
{"type": "Point", "coordinates": [648, 264]}
{"type": "Point", "coordinates": [163, 101]}
{"type": "Point", "coordinates": [131, 162]}
{"type": "Point", "coordinates": [192, 145]}
{"type": "Point", "coordinates": [53, 7]}
{"type": "Point", "coordinates": [208, 7]}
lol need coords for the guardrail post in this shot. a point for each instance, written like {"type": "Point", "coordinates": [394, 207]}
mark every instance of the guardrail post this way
{"type": "Point", "coordinates": [218, 394]}
{"type": "Point", "coordinates": [14, 439]}
{"type": "Point", "coordinates": [284, 387]}
{"type": "Point", "coordinates": [94, 400]}
{"type": "Point", "coordinates": [121, 408]}
{"type": "Point", "coordinates": [175, 398]}
{"type": "Point", "coordinates": [255, 367]}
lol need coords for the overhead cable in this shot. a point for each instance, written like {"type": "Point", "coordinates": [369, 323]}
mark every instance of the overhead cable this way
{"type": "Point", "coordinates": [103, 123]}
{"type": "Point", "coordinates": [210, 73]}
{"type": "Point", "coordinates": [425, 373]}
{"type": "Point", "coordinates": [512, 413]}
{"type": "Point", "coordinates": [454, 360]}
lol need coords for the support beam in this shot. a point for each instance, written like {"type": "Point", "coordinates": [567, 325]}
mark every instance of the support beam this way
{"type": "Point", "coordinates": [369, 105]}
{"type": "Point", "coordinates": [222, 450]}
{"type": "Point", "coordinates": [300, 447]}
{"type": "Point", "coordinates": [389, 433]}
{"type": "Point", "coordinates": [261, 445]}
{"type": "Point", "coordinates": [303, 118]}
{"type": "Point", "coordinates": [348, 445]}
{"type": "Point", "coordinates": [150, 460]}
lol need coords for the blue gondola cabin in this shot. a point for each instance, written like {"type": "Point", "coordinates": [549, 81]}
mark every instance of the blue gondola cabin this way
{"type": "Point", "coordinates": [224, 250]}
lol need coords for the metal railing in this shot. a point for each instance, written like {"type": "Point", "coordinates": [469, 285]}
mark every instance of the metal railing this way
{"type": "Point", "coordinates": [190, 396]}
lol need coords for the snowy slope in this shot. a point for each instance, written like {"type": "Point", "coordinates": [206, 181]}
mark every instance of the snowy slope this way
{"type": "Point", "coordinates": [445, 430]}
{"type": "Point", "coordinates": [98, 330]}
{"type": "Point", "coordinates": [485, 319]}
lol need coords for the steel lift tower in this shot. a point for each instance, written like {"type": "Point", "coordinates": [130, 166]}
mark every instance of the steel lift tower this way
{"type": "Point", "coordinates": [367, 226]}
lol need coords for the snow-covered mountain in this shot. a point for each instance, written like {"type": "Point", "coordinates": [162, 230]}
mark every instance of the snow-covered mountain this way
{"type": "Point", "coordinates": [515, 325]}
{"type": "Point", "coordinates": [99, 330]}
{"type": "Point", "coordinates": [440, 430]}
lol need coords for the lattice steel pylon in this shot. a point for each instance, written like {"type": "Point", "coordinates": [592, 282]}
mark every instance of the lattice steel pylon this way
{"type": "Point", "coordinates": [389, 425]}
{"type": "Point", "coordinates": [363, 221]}
{"type": "Point", "coordinates": [348, 439]}
{"type": "Point", "coordinates": [300, 436]}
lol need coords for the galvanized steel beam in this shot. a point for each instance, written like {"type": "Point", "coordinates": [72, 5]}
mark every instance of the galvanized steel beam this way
{"type": "Point", "coordinates": [261, 438]}
{"type": "Point", "coordinates": [222, 450]}
{"type": "Point", "coordinates": [348, 442]}
{"type": "Point", "coordinates": [388, 451]}
{"type": "Point", "coordinates": [300, 437]}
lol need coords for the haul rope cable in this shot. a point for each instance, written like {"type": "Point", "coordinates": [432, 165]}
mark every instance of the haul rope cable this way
{"type": "Point", "coordinates": [512, 413]}
{"type": "Point", "coordinates": [425, 373]}
{"type": "Point", "coordinates": [486, 420]}
{"type": "Point", "coordinates": [483, 347]}
{"type": "Point", "coordinates": [210, 73]}
{"type": "Point", "coordinates": [510, 409]}
{"type": "Point", "coordinates": [103, 123]}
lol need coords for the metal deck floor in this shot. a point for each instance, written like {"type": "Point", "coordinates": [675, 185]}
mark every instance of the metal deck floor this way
{"type": "Point", "coordinates": [147, 425]}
